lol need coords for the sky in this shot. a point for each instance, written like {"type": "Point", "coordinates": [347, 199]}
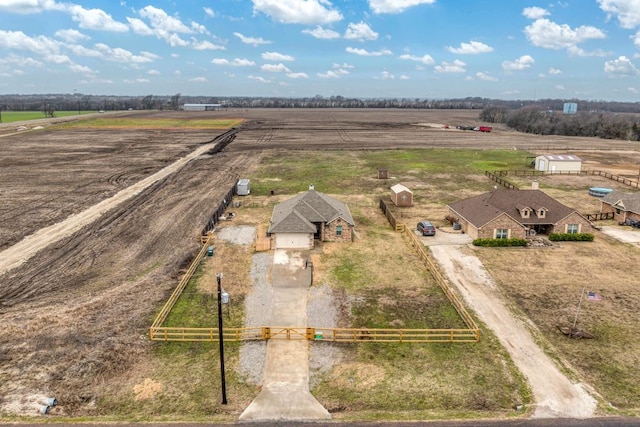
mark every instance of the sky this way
{"type": "Point", "coordinates": [425, 49]}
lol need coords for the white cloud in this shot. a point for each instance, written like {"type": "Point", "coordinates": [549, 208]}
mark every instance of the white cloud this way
{"type": "Point", "coordinates": [276, 56]}
{"type": "Point", "coordinates": [522, 63]}
{"type": "Point", "coordinates": [153, 72]}
{"type": "Point", "coordinates": [632, 90]}
{"type": "Point", "coordinates": [95, 19]}
{"type": "Point", "coordinates": [486, 77]}
{"type": "Point", "coordinates": [329, 75]}
{"type": "Point", "coordinates": [473, 47]}
{"type": "Point", "coordinates": [554, 71]}
{"type": "Point", "coordinates": [17, 40]}
{"type": "Point", "coordinates": [364, 52]}
{"type": "Point", "coordinates": [139, 27]}
{"type": "Point", "coordinates": [627, 11]}
{"type": "Point", "coordinates": [404, 77]}
{"type": "Point", "coordinates": [636, 39]}
{"type": "Point", "coordinates": [385, 75]}
{"type": "Point", "coordinates": [160, 20]}
{"type": "Point", "coordinates": [198, 80]}
{"type": "Point", "coordinates": [254, 41]}
{"type": "Point", "coordinates": [71, 35]}
{"type": "Point", "coordinates": [20, 61]}
{"type": "Point", "coordinates": [622, 66]}
{"type": "Point", "coordinates": [344, 66]}
{"type": "Point", "coordinates": [425, 59]}
{"type": "Point", "coordinates": [122, 55]}
{"type": "Point", "coordinates": [360, 31]}
{"type": "Point", "coordinates": [297, 75]}
{"type": "Point", "coordinates": [535, 12]}
{"type": "Point", "coordinates": [237, 62]}
{"type": "Point", "coordinates": [456, 66]}
{"type": "Point", "coordinates": [547, 34]}
{"type": "Point", "coordinates": [209, 12]}
{"type": "Point", "coordinates": [578, 51]}
{"type": "Point", "coordinates": [559, 87]}
{"type": "Point", "coordinates": [275, 68]}
{"type": "Point", "coordinates": [395, 6]}
{"type": "Point", "coordinates": [26, 7]}
{"type": "Point", "coordinates": [206, 45]}
{"type": "Point", "coordinates": [58, 59]}
{"type": "Point", "coordinates": [298, 11]}
{"type": "Point", "coordinates": [322, 33]}
{"type": "Point", "coordinates": [81, 69]}
{"type": "Point", "coordinates": [258, 78]}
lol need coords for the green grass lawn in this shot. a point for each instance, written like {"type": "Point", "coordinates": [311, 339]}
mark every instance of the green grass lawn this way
{"type": "Point", "coordinates": [18, 116]}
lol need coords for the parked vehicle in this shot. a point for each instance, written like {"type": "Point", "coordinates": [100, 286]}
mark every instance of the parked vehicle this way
{"type": "Point", "coordinates": [485, 128]}
{"type": "Point", "coordinates": [426, 228]}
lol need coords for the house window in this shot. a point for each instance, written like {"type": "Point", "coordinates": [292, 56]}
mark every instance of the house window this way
{"type": "Point", "coordinates": [541, 213]}
{"type": "Point", "coordinates": [618, 211]}
{"type": "Point", "coordinates": [572, 228]}
{"type": "Point", "coordinates": [525, 213]}
{"type": "Point", "coordinates": [502, 233]}
{"type": "Point", "coordinates": [338, 230]}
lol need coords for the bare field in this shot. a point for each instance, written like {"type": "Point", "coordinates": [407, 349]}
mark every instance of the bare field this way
{"type": "Point", "coordinates": [75, 316]}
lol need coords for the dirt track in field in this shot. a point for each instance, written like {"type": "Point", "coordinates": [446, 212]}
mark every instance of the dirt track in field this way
{"type": "Point", "coordinates": [74, 315]}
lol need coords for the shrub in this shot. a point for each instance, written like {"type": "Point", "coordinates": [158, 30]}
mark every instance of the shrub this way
{"type": "Point", "coordinates": [500, 242]}
{"type": "Point", "coordinates": [575, 237]}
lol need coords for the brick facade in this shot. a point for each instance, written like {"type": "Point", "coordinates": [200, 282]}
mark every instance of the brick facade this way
{"type": "Point", "coordinates": [504, 221]}
{"type": "Point", "coordinates": [584, 226]}
{"type": "Point", "coordinates": [329, 233]}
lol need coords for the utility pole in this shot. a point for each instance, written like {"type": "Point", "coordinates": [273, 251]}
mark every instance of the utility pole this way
{"type": "Point", "coordinates": [220, 340]}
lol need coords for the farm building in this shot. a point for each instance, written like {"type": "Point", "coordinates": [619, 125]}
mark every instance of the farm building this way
{"type": "Point", "coordinates": [558, 163]}
{"type": "Point", "coordinates": [623, 205]}
{"type": "Point", "coordinates": [508, 214]}
{"type": "Point", "coordinates": [298, 222]}
{"type": "Point", "coordinates": [401, 196]}
{"type": "Point", "coordinates": [202, 107]}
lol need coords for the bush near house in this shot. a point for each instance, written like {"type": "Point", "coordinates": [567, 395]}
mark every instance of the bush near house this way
{"type": "Point", "coordinates": [500, 242]}
{"type": "Point", "coordinates": [567, 237]}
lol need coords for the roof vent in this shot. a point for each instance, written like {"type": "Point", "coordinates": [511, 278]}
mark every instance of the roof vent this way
{"type": "Point", "coordinates": [311, 187]}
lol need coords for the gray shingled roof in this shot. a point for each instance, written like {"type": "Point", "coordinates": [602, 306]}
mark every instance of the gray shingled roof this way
{"type": "Point", "coordinates": [630, 201]}
{"type": "Point", "coordinates": [297, 215]}
{"type": "Point", "coordinates": [481, 209]}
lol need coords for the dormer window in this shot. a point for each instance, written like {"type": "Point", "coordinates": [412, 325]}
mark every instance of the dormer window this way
{"type": "Point", "coordinates": [541, 213]}
{"type": "Point", "coordinates": [525, 212]}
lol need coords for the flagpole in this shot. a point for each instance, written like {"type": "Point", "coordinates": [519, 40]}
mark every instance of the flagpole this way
{"type": "Point", "coordinates": [573, 328]}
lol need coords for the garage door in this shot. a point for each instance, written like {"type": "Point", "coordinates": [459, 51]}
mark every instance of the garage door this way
{"type": "Point", "coordinates": [293, 241]}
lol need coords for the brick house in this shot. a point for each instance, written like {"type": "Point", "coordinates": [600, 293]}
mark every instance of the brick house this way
{"type": "Point", "coordinates": [509, 214]}
{"type": "Point", "coordinates": [623, 205]}
{"type": "Point", "coordinates": [298, 222]}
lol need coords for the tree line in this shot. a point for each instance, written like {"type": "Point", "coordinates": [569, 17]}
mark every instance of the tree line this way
{"type": "Point", "coordinates": [534, 119]}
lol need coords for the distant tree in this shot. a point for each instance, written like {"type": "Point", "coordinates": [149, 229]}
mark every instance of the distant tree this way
{"type": "Point", "coordinates": [493, 114]}
{"type": "Point", "coordinates": [174, 103]}
{"type": "Point", "coordinates": [147, 102]}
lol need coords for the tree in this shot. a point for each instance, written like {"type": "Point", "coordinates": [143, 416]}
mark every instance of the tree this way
{"type": "Point", "coordinates": [174, 103]}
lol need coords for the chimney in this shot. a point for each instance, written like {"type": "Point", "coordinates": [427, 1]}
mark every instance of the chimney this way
{"type": "Point", "coordinates": [311, 187]}
{"type": "Point", "coordinates": [534, 185]}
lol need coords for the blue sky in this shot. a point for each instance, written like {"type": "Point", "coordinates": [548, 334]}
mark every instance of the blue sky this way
{"type": "Point", "coordinates": [434, 49]}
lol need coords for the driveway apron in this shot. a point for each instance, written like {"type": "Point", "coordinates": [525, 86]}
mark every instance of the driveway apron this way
{"type": "Point", "coordinates": [285, 394]}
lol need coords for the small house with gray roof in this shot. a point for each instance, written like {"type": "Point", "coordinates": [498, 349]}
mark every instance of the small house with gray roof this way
{"type": "Point", "coordinates": [298, 222]}
{"type": "Point", "coordinates": [623, 205]}
{"type": "Point", "coordinates": [509, 214]}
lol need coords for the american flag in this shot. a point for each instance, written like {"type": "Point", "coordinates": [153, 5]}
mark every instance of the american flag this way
{"type": "Point", "coordinates": [594, 296]}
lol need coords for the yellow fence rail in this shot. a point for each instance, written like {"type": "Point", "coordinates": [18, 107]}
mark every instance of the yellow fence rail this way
{"type": "Point", "coordinates": [442, 282]}
{"type": "Point", "coordinates": [166, 309]}
{"type": "Point", "coordinates": [316, 334]}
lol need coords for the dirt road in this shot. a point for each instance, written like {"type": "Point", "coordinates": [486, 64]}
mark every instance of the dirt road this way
{"type": "Point", "coordinates": [555, 395]}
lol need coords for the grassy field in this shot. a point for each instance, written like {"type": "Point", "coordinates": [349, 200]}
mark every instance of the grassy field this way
{"type": "Point", "coordinates": [152, 123]}
{"type": "Point", "coordinates": [18, 116]}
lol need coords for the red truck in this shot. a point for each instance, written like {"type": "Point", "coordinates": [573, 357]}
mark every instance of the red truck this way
{"type": "Point", "coordinates": [485, 128]}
